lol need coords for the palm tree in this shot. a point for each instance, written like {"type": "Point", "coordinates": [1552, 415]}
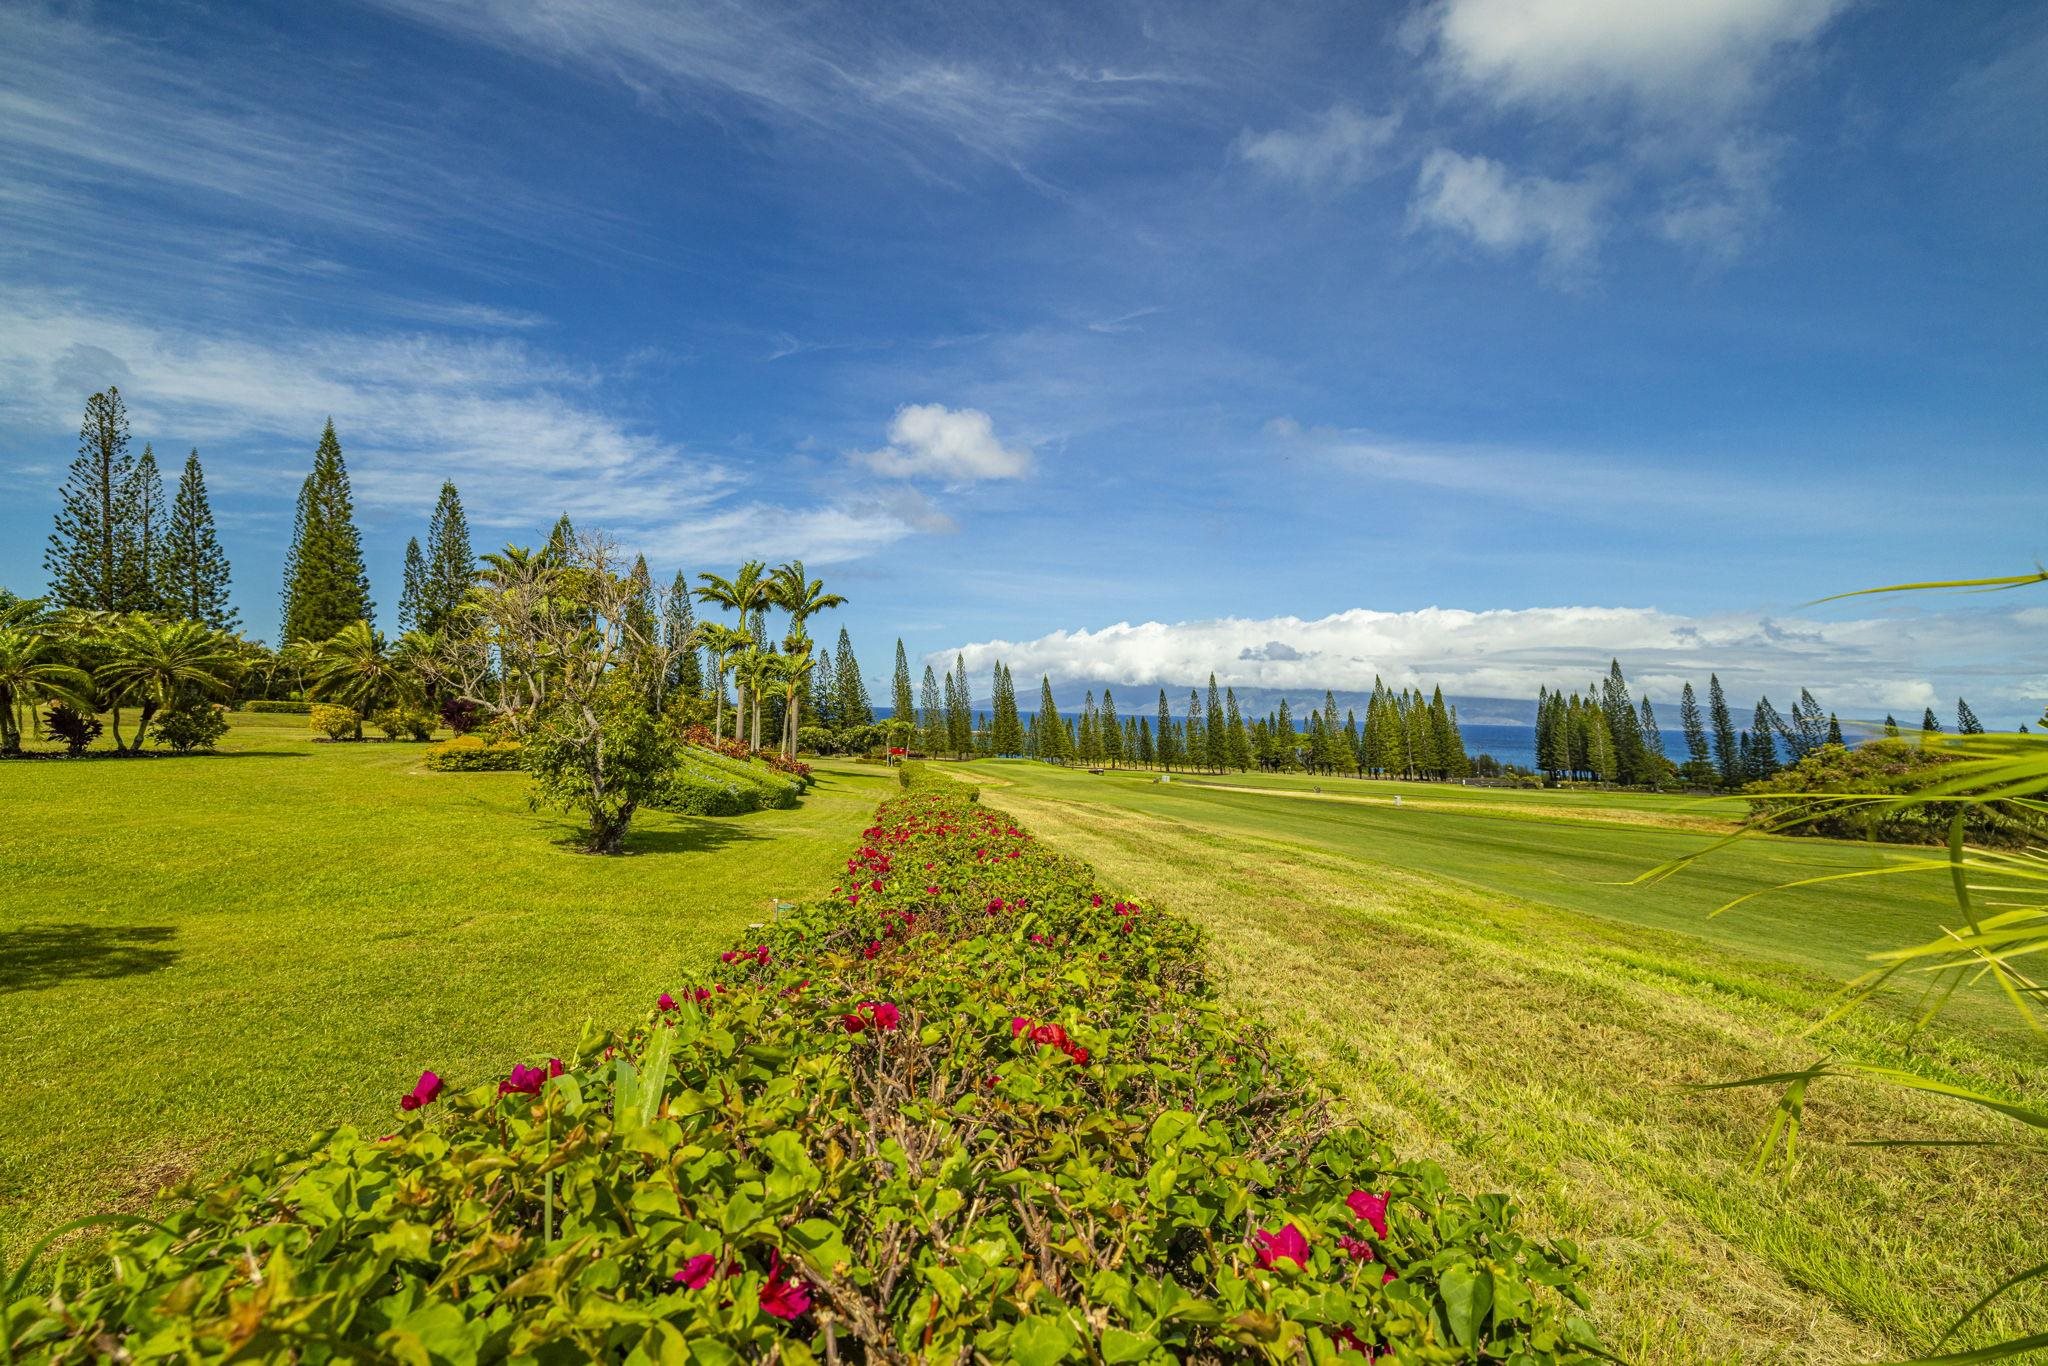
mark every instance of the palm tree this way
{"type": "Point", "coordinates": [746, 593]}
{"type": "Point", "coordinates": [27, 675]}
{"type": "Point", "coordinates": [356, 668]}
{"type": "Point", "coordinates": [803, 599]}
{"type": "Point", "coordinates": [753, 666]}
{"type": "Point", "coordinates": [724, 642]}
{"type": "Point", "coordinates": [157, 664]}
{"type": "Point", "coordinates": [791, 670]}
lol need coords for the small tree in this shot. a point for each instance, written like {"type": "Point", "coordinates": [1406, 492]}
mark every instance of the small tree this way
{"type": "Point", "coordinates": [600, 755]}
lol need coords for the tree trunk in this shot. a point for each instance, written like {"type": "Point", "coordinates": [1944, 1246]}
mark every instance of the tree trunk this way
{"type": "Point", "coordinates": [142, 725]}
{"type": "Point", "coordinates": [718, 692]}
{"type": "Point", "coordinates": [118, 746]}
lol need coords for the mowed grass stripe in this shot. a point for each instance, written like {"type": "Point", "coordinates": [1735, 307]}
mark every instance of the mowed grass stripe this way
{"type": "Point", "coordinates": [202, 958]}
{"type": "Point", "coordinates": [1544, 1050]}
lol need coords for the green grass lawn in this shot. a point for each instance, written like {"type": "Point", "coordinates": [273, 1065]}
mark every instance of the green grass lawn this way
{"type": "Point", "coordinates": [1480, 986]}
{"type": "Point", "coordinates": [201, 958]}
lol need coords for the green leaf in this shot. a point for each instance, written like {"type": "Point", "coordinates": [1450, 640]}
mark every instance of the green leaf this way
{"type": "Point", "coordinates": [1040, 1341]}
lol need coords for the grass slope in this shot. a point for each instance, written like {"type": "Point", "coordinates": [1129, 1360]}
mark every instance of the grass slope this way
{"type": "Point", "coordinates": [1481, 992]}
{"type": "Point", "coordinates": [201, 958]}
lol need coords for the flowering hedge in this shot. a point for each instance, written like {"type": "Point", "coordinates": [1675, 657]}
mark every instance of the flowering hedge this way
{"type": "Point", "coordinates": [971, 1103]}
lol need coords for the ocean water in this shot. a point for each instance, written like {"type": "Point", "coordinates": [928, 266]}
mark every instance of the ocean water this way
{"type": "Point", "coordinates": [1517, 744]}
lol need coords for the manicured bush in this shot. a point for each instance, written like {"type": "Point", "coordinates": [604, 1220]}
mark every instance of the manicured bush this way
{"type": "Point", "coordinates": [460, 715]}
{"type": "Point", "coordinates": [1845, 793]}
{"type": "Point", "coordinates": [75, 729]}
{"type": "Point", "coordinates": [404, 723]}
{"type": "Point", "coordinates": [815, 740]}
{"type": "Point", "coordinates": [794, 768]}
{"type": "Point", "coordinates": [472, 754]}
{"type": "Point", "coordinates": [697, 791]}
{"type": "Point", "coordinates": [336, 723]}
{"type": "Point", "coordinates": [285, 706]}
{"type": "Point", "coordinates": [970, 1106]}
{"type": "Point", "coordinates": [192, 724]}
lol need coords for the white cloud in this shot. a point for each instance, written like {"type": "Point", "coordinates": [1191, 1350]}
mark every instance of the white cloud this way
{"type": "Point", "coordinates": [1900, 661]}
{"type": "Point", "coordinates": [1685, 53]}
{"type": "Point", "coordinates": [1718, 211]}
{"type": "Point", "coordinates": [955, 444]}
{"type": "Point", "coordinates": [526, 436]}
{"type": "Point", "coordinates": [1337, 148]}
{"type": "Point", "coordinates": [1481, 199]}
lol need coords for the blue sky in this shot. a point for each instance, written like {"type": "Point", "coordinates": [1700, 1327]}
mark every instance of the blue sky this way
{"type": "Point", "coordinates": [1116, 340]}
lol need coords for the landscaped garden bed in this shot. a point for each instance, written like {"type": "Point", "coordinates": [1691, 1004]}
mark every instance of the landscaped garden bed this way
{"type": "Point", "coordinates": [969, 1103]}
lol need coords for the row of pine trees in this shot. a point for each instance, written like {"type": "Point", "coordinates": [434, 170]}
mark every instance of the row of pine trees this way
{"type": "Point", "coordinates": [1602, 735]}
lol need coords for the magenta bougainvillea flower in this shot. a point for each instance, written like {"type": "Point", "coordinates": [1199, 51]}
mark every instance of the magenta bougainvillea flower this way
{"type": "Point", "coordinates": [995, 905]}
{"type": "Point", "coordinates": [1018, 1024]}
{"type": "Point", "coordinates": [1286, 1245]}
{"type": "Point", "coordinates": [1040, 939]}
{"type": "Point", "coordinates": [872, 947]}
{"type": "Point", "coordinates": [696, 1273]}
{"type": "Point", "coordinates": [931, 891]}
{"type": "Point", "coordinates": [1095, 900]}
{"type": "Point", "coordinates": [1357, 1249]}
{"type": "Point", "coordinates": [1371, 1209]}
{"type": "Point", "coordinates": [667, 1002]}
{"type": "Point", "coordinates": [424, 1092]}
{"type": "Point", "coordinates": [524, 1081]}
{"type": "Point", "coordinates": [852, 1023]}
{"type": "Point", "coordinates": [781, 1298]}
{"type": "Point", "coordinates": [884, 1015]}
{"type": "Point", "coordinates": [875, 886]}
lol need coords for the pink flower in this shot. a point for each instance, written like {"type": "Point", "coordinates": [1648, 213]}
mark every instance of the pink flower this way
{"type": "Point", "coordinates": [1095, 900]}
{"type": "Point", "coordinates": [1040, 939]}
{"type": "Point", "coordinates": [781, 1298]}
{"type": "Point", "coordinates": [873, 947]}
{"type": "Point", "coordinates": [1287, 1245]}
{"type": "Point", "coordinates": [931, 891]}
{"type": "Point", "coordinates": [852, 1023]}
{"type": "Point", "coordinates": [524, 1081]}
{"type": "Point", "coordinates": [1018, 1024]}
{"type": "Point", "coordinates": [1372, 1209]}
{"type": "Point", "coordinates": [884, 1015]}
{"type": "Point", "coordinates": [728, 955]}
{"type": "Point", "coordinates": [995, 905]}
{"type": "Point", "coordinates": [853, 898]}
{"type": "Point", "coordinates": [702, 994]}
{"type": "Point", "coordinates": [875, 886]}
{"type": "Point", "coordinates": [424, 1092]}
{"type": "Point", "coordinates": [696, 1273]}
{"type": "Point", "coordinates": [667, 1002]}
{"type": "Point", "coordinates": [761, 955]}
{"type": "Point", "coordinates": [555, 1068]}
{"type": "Point", "coordinates": [1357, 1250]}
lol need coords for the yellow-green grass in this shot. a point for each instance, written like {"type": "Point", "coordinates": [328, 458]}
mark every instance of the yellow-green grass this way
{"type": "Point", "coordinates": [203, 958]}
{"type": "Point", "coordinates": [1483, 991]}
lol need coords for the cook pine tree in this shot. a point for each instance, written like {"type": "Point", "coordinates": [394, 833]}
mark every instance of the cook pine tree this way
{"type": "Point", "coordinates": [93, 560]}
{"type": "Point", "coordinates": [325, 584]}
{"type": "Point", "coordinates": [194, 580]}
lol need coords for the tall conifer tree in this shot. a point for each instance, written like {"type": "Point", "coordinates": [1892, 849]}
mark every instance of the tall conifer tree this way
{"type": "Point", "coordinates": [412, 596]}
{"type": "Point", "coordinates": [451, 562]}
{"type": "Point", "coordinates": [678, 637]}
{"type": "Point", "coordinates": [194, 585]}
{"type": "Point", "coordinates": [1966, 720]}
{"type": "Point", "coordinates": [1728, 755]}
{"type": "Point", "coordinates": [1689, 721]}
{"type": "Point", "coordinates": [152, 523]}
{"type": "Point", "coordinates": [902, 706]}
{"type": "Point", "coordinates": [92, 556]}
{"type": "Point", "coordinates": [326, 586]}
{"type": "Point", "coordinates": [932, 723]}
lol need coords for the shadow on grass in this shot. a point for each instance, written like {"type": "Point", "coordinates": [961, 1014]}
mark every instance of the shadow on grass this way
{"type": "Point", "coordinates": [36, 956]}
{"type": "Point", "coordinates": [701, 835]}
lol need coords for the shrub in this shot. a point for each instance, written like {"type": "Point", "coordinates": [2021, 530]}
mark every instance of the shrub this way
{"type": "Point", "coordinates": [473, 754]}
{"type": "Point", "coordinates": [814, 740]}
{"type": "Point", "coordinates": [285, 706]}
{"type": "Point", "coordinates": [700, 737]}
{"type": "Point", "coordinates": [697, 791]}
{"type": "Point", "coordinates": [986, 1112]}
{"type": "Point", "coordinates": [75, 729]}
{"type": "Point", "coordinates": [336, 723]}
{"type": "Point", "coordinates": [795, 768]}
{"type": "Point", "coordinates": [191, 724]}
{"type": "Point", "coordinates": [405, 723]}
{"type": "Point", "coordinates": [1844, 793]}
{"type": "Point", "coordinates": [460, 714]}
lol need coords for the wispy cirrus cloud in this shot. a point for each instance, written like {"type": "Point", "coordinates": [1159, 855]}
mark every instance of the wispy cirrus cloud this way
{"type": "Point", "coordinates": [1482, 200]}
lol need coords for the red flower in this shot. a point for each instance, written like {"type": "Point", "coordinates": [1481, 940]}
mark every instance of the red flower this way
{"type": "Point", "coordinates": [1078, 1054]}
{"type": "Point", "coordinates": [524, 1081]}
{"type": "Point", "coordinates": [1357, 1250]}
{"type": "Point", "coordinates": [853, 898]}
{"type": "Point", "coordinates": [1286, 1245]}
{"type": "Point", "coordinates": [696, 1273]}
{"type": "Point", "coordinates": [702, 994]}
{"type": "Point", "coordinates": [667, 1002]}
{"type": "Point", "coordinates": [852, 1023]}
{"type": "Point", "coordinates": [555, 1068]}
{"type": "Point", "coordinates": [1372, 1209]}
{"type": "Point", "coordinates": [874, 946]}
{"type": "Point", "coordinates": [1018, 1024]}
{"type": "Point", "coordinates": [781, 1298]}
{"type": "Point", "coordinates": [1095, 900]}
{"type": "Point", "coordinates": [995, 905]}
{"type": "Point", "coordinates": [1040, 939]}
{"type": "Point", "coordinates": [761, 955]}
{"type": "Point", "coordinates": [875, 886]}
{"type": "Point", "coordinates": [424, 1092]}
{"type": "Point", "coordinates": [884, 1015]}
{"type": "Point", "coordinates": [931, 891]}
{"type": "Point", "coordinates": [728, 955]}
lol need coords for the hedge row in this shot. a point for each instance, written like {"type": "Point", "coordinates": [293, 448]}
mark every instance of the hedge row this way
{"type": "Point", "coordinates": [472, 754]}
{"type": "Point", "coordinates": [971, 1106]}
{"type": "Point", "coordinates": [708, 783]}
{"type": "Point", "coordinates": [286, 706]}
